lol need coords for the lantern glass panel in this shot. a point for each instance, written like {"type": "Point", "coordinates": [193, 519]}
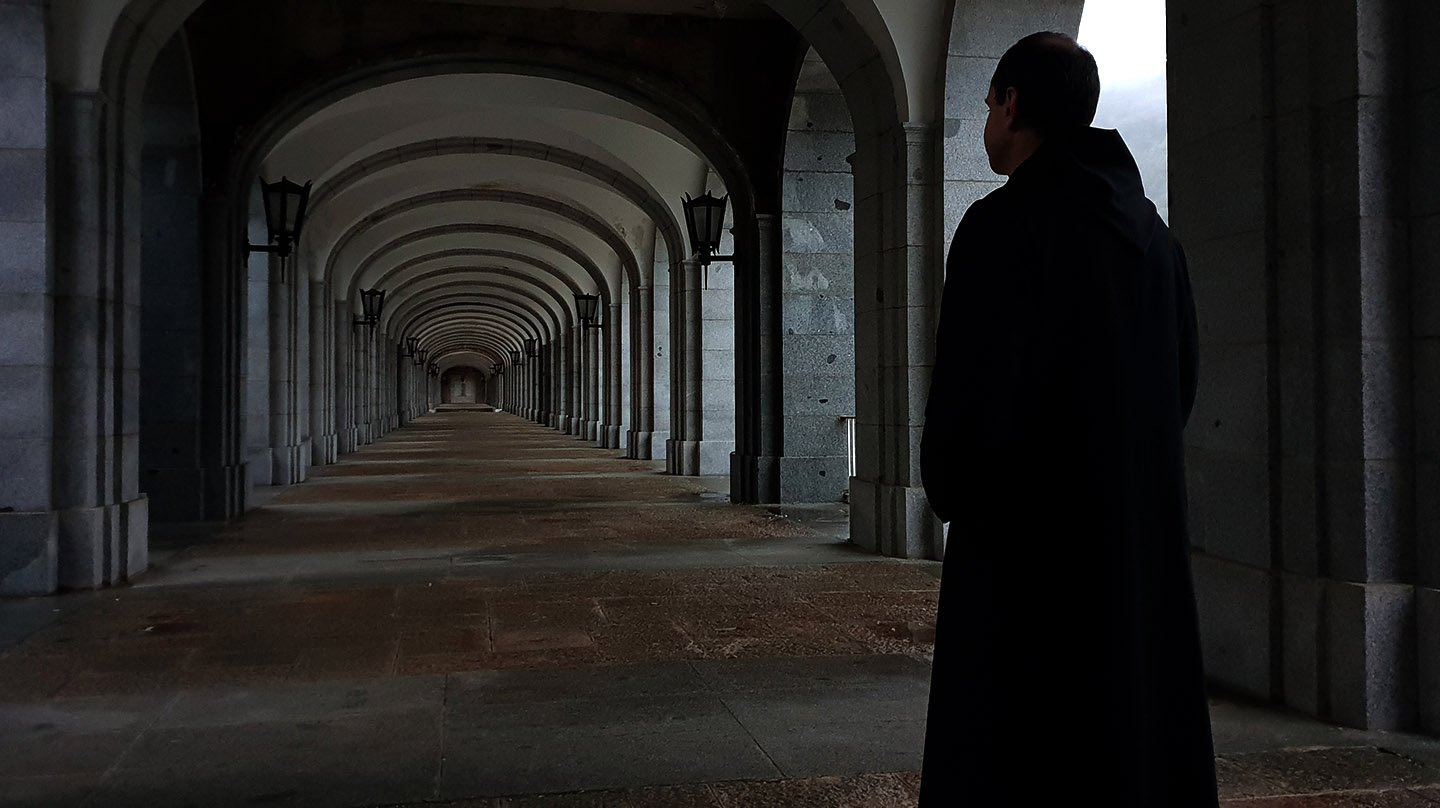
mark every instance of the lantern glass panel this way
{"type": "Point", "coordinates": [587, 306]}
{"type": "Point", "coordinates": [530, 347]}
{"type": "Point", "coordinates": [373, 302]}
{"type": "Point", "coordinates": [514, 357]}
{"type": "Point", "coordinates": [715, 221]}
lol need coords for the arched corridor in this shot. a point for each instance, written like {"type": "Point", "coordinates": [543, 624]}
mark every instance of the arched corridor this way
{"type": "Point", "coordinates": [490, 409]}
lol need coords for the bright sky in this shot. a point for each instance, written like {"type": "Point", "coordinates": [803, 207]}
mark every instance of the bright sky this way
{"type": "Point", "coordinates": [1127, 38]}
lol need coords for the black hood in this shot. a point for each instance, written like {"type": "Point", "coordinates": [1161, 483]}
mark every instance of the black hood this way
{"type": "Point", "coordinates": [1097, 175]}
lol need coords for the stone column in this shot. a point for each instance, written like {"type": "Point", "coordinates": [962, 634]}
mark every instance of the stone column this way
{"type": "Point", "coordinates": [683, 451]}
{"type": "Point", "coordinates": [639, 443]}
{"type": "Point", "coordinates": [284, 451]}
{"type": "Point", "coordinates": [612, 414]}
{"type": "Point", "coordinates": [344, 379]}
{"type": "Point", "coordinates": [322, 406]}
{"type": "Point", "coordinates": [29, 527]}
{"type": "Point", "coordinates": [759, 388]}
{"type": "Point", "coordinates": [573, 366]}
{"type": "Point", "coordinates": [1316, 418]}
{"type": "Point", "coordinates": [593, 375]}
{"type": "Point", "coordinates": [103, 520]}
{"type": "Point", "coordinates": [224, 295]}
{"type": "Point", "coordinates": [894, 337]}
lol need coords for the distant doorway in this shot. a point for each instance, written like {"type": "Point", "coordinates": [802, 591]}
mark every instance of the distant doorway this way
{"type": "Point", "coordinates": [460, 386]}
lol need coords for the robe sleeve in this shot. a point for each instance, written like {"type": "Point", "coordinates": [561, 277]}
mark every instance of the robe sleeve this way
{"type": "Point", "coordinates": [970, 412]}
{"type": "Point", "coordinates": [1189, 339]}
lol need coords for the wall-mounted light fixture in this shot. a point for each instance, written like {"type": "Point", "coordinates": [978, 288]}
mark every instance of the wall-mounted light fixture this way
{"type": "Point", "coordinates": [285, 204]}
{"type": "Point", "coordinates": [705, 219]}
{"type": "Point", "coordinates": [412, 344]}
{"type": "Point", "coordinates": [532, 348]}
{"type": "Point", "coordinates": [516, 359]}
{"type": "Point", "coordinates": [420, 356]}
{"type": "Point", "coordinates": [587, 308]}
{"type": "Point", "coordinates": [372, 302]}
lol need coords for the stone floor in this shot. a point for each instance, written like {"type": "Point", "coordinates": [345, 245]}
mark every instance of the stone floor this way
{"type": "Point", "coordinates": [476, 611]}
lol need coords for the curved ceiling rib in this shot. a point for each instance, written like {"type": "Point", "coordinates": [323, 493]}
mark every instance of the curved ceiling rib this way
{"type": "Point", "coordinates": [564, 210]}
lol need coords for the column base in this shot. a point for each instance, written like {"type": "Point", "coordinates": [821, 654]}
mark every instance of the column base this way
{"type": "Point", "coordinates": [288, 463]}
{"type": "Point", "coordinates": [754, 479]}
{"type": "Point", "coordinates": [639, 445]}
{"type": "Point", "coordinates": [103, 545]}
{"type": "Point", "coordinates": [893, 520]}
{"type": "Point", "coordinates": [590, 430]}
{"type": "Point", "coordinates": [610, 436]}
{"type": "Point", "coordinates": [682, 457]}
{"type": "Point", "coordinates": [225, 491]}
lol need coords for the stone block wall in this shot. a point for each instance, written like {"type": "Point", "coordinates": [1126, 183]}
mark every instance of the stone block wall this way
{"type": "Point", "coordinates": [817, 289]}
{"type": "Point", "coordinates": [28, 527]}
{"type": "Point", "coordinates": [1293, 129]}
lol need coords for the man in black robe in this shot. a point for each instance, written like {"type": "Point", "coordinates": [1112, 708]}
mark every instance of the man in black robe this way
{"type": "Point", "coordinates": [1067, 658]}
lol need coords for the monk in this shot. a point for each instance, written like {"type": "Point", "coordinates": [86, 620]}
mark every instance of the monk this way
{"type": "Point", "coordinates": [1067, 658]}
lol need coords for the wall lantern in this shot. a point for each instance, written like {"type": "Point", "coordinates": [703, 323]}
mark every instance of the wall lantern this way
{"type": "Point", "coordinates": [285, 204]}
{"type": "Point", "coordinates": [588, 309]}
{"type": "Point", "coordinates": [419, 356]}
{"type": "Point", "coordinates": [412, 344]}
{"type": "Point", "coordinates": [705, 219]}
{"type": "Point", "coordinates": [372, 302]}
{"type": "Point", "coordinates": [434, 369]}
{"type": "Point", "coordinates": [531, 347]}
{"type": "Point", "coordinates": [499, 369]}
{"type": "Point", "coordinates": [515, 358]}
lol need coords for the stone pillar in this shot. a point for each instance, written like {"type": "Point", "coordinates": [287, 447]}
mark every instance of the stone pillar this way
{"type": "Point", "coordinates": [284, 436]}
{"type": "Point", "coordinates": [611, 416]}
{"type": "Point", "coordinates": [224, 300]}
{"type": "Point", "coordinates": [102, 521]}
{"type": "Point", "coordinates": [1316, 409]}
{"type": "Point", "coordinates": [344, 379]}
{"type": "Point", "coordinates": [894, 337]}
{"type": "Point", "coordinates": [593, 374]}
{"type": "Point", "coordinates": [687, 409]}
{"type": "Point", "coordinates": [29, 525]}
{"type": "Point", "coordinates": [322, 404]}
{"type": "Point", "coordinates": [759, 388]}
{"type": "Point", "coordinates": [640, 440]}
{"type": "Point", "coordinates": [662, 360]}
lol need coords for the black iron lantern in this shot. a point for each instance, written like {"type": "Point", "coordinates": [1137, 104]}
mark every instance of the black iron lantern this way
{"type": "Point", "coordinates": [285, 204]}
{"type": "Point", "coordinates": [434, 369]}
{"type": "Point", "coordinates": [412, 344]}
{"type": "Point", "coordinates": [587, 307]}
{"type": "Point", "coordinates": [705, 219]}
{"type": "Point", "coordinates": [531, 347]}
{"type": "Point", "coordinates": [372, 302]}
{"type": "Point", "coordinates": [515, 358]}
{"type": "Point", "coordinates": [420, 355]}
{"type": "Point", "coordinates": [500, 369]}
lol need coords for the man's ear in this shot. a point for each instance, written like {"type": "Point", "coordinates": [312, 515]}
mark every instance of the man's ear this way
{"type": "Point", "coordinates": [1010, 105]}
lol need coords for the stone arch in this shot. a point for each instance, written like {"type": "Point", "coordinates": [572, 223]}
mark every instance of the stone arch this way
{"type": "Point", "coordinates": [584, 219]}
{"type": "Point", "coordinates": [629, 187]}
{"type": "Point", "coordinates": [407, 316]}
{"type": "Point", "coordinates": [488, 277]}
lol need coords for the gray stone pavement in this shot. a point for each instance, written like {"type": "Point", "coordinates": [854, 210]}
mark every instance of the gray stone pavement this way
{"type": "Point", "coordinates": [468, 735]}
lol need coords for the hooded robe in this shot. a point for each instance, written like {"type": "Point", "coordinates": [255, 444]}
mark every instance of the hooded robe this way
{"type": "Point", "coordinates": [1067, 645]}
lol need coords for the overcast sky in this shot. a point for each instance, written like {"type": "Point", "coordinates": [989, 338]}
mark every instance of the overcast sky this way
{"type": "Point", "coordinates": [1128, 40]}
